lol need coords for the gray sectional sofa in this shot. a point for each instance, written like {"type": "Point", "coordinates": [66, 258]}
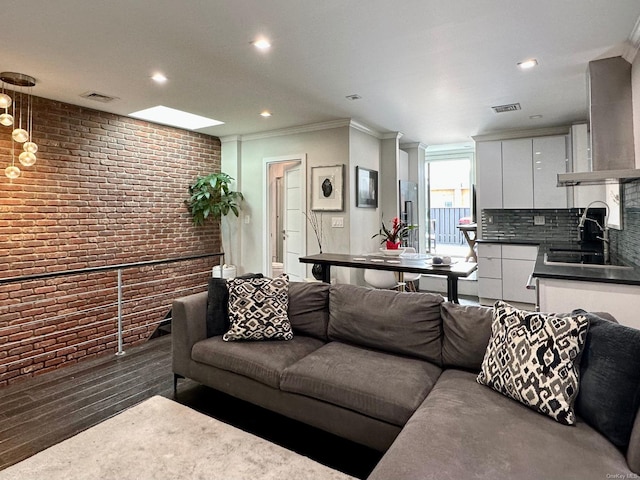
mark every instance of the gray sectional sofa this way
{"type": "Point", "coordinates": [396, 372]}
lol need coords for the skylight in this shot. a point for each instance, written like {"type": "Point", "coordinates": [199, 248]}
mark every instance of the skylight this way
{"type": "Point", "coordinates": [175, 118]}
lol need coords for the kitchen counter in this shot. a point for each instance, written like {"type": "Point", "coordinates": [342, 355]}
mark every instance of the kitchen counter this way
{"type": "Point", "coordinates": [508, 241]}
{"type": "Point", "coordinates": [571, 272]}
{"type": "Point", "coordinates": [584, 273]}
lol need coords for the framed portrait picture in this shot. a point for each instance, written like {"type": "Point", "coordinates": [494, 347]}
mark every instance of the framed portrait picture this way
{"type": "Point", "coordinates": [327, 186]}
{"type": "Point", "coordinates": [366, 188]}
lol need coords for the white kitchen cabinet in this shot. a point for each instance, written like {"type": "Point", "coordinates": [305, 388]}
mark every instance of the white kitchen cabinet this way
{"type": "Point", "coordinates": [489, 175]}
{"type": "Point", "coordinates": [563, 296]}
{"type": "Point", "coordinates": [517, 180]}
{"type": "Point", "coordinates": [518, 262]}
{"type": "Point", "coordinates": [549, 159]}
{"type": "Point", "coordinates": [489, 271]}
{"type": "Point", "coordinates": [503, 273]}
{"type": "Point", "coordinates": [521, 173]}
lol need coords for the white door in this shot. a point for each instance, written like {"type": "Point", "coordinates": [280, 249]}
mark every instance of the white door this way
{"type": "Point", "coordinates": [293, 234]}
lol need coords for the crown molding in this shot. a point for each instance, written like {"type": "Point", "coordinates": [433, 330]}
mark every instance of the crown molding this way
{"type": "Point", "coordinates": [392, 136]}
{"type": "Point", "coordinates": [313, 127]}
{"type": "Point", "coordinates": [510, 134]}
{"type": "Point", "coordinates": [230, 138]}
{"type": "Point", "coordinates": [633, 43]}
{"type": "Point", "coordinates": [361, 127]}
{"type": "Point", "coordinates": [418, 145]}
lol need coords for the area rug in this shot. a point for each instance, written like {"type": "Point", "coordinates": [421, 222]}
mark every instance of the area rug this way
{"type": "Point", "coordinates": [160, 439]}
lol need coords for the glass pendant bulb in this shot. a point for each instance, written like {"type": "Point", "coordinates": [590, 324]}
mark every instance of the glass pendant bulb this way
{"type": "Point", "coordinates": [20, 135]}
{"type": "Point", "coordinates": [12, 172]}
{"type": "Point", "coordinates": [30, 147]}
{"type": "Point", "coordinates": [6, 119]}
{"type": "Point", "coordinates": [27, 159]}
{"type": "Point", "coordinates": [5, 100]}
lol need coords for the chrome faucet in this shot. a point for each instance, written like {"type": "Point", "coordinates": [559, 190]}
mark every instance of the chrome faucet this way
{"type": "Point", "coordinates": [604, 229]}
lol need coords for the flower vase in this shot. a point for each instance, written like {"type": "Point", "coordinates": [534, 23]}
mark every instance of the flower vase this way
{"type": "Point", "coordinates": [316, 270]}
{"type": "Point", "coordinates": [392, 245]}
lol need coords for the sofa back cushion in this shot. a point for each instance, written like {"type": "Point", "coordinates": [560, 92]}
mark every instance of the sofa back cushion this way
{"type": "Point", "coordinates": [398, 322]}
{"type": "Point", "coordinates": [466, 333]}
{"type": "Point", "coordinates": [309, 309]}
{"type": "Point", "coordinates": [609, 396]}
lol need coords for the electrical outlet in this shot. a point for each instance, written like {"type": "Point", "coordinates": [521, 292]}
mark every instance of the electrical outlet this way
{"type": "Point", "coordinates": [539, 220]}
{"type": "Point", "coordinates": [490, 220]}
{"type": "Point", "coordinates": [337, 222]}
{"type": "Point", "coordinates": [247, 219]}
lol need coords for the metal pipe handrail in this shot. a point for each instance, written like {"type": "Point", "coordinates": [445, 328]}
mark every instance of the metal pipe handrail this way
{"type": "Point", "coordinates": [104, 268]}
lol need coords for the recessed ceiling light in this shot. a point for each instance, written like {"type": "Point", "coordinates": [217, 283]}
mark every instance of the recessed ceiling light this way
{"type": "Point", "coordinates": [535, 117]}
{"type": "Point", "coordinates": [261, 44]}
{"type": "Point", "coordinates": [532, 62]}
{"type": "Point", "coordinates": [265, 114]}
{"type": "Point", "coordinates": [175, 118]}
{"type": "Point", "coordinates": [158, 78]}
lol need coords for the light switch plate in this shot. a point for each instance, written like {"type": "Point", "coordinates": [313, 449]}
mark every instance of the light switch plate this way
{"type": "Point", "coordinates": [337, 222]}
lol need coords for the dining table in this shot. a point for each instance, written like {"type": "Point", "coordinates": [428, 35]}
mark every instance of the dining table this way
{"type": "Point", "coordinates": [398, 264]}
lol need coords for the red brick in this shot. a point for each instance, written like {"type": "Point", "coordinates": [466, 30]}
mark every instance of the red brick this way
{"type": "Point", "coordinates": [105, 190]}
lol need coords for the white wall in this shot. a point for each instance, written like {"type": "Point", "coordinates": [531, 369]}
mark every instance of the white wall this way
{"type": "Point", "coordinates": [635, 88]}
{"type": "Point", "coordinates": [364, 151]}
{"type": "Point", "coordinates": [322, 148]}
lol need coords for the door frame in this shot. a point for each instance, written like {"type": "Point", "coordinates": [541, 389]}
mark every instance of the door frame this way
{"type": "Point", "coordinates": [266, 163]}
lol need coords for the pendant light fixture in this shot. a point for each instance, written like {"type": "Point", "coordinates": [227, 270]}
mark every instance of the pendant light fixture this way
{"type": "Point", "coordinates": [19, 134]}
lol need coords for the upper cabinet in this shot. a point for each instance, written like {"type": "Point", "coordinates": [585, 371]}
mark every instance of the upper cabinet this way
{"type": "Point", "coordinates": [521, 173]}
{"type": "Point", "coordinates": [550, 157]}
{"type": "Point", "coordinates": [517, 179]}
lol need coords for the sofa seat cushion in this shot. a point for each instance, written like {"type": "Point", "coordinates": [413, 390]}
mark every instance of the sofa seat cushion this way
{"type": "Point", "coordinates": [383, 386]}
{"type": "Point", "coordinates": [466, 430]}
{"type": "Point", "coordinates": [261, 361]}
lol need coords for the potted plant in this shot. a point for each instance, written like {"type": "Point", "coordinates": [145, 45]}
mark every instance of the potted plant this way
{"type": "Point", "coordinates": [210, 196]}
{"type": "Point", "coordinates": [392, 238]}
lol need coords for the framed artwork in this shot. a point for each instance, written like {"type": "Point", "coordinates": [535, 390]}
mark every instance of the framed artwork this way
{"type": "Point", "coordinates": [366, 188]}
{"type": "Point", "coordinates": [327, 188]}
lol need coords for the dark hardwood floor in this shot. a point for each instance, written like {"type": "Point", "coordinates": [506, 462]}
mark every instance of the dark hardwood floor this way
{"type": "Point", "coordinates": [45, 410]}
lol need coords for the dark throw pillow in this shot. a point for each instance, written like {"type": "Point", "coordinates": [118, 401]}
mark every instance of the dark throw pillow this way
{"type": "Point", "coordinates": [609, 395]}
{"type": "Point", "coordinates": [218, 304]}
{"type": "Point", "coordinates": [533, 358]}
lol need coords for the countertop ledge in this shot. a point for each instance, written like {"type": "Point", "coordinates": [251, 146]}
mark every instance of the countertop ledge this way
{"type": "Point", "coordinates": [584, 273]}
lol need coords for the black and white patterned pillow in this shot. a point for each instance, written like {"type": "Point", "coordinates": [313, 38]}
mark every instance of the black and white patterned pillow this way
{"type": "Point", "coordinates": [258, 309]}
{"type": "Point", "coordinates": [533, 358]}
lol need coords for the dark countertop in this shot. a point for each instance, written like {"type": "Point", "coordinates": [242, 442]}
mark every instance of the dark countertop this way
{"type": "Point", "coordinates": [580, 273]}
{"type": "Point", "coordinates": [584, 273]}
{"type": "Point", "coordinates": [512, 241]}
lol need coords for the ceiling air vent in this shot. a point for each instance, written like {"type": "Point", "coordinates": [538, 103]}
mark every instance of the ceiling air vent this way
{"type": "Point", "coordinates": [98, 97]}
{"type": "Point", "coordinates": [511, 107]}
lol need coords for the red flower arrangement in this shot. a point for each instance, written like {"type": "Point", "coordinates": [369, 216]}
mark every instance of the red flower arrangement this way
{"type": "Point", "coordinates": [393, 237]}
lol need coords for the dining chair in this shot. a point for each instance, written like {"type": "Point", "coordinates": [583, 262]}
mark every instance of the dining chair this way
{"type": "Point", "coordinates": [411, 278]}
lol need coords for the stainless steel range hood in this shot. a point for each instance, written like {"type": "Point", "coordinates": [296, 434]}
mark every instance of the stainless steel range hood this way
{"type": "Point", "coordinates": [611, 120]}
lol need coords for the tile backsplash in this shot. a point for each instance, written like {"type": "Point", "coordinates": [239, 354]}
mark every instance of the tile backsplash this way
{"type": "Point", "coordinates": [560, 225]}
{"type": "Point", "coordinates": [626, 242]}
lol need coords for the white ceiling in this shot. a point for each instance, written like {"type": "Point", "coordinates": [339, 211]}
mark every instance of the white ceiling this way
{"type": "Point", "coordinates": [430, 69]}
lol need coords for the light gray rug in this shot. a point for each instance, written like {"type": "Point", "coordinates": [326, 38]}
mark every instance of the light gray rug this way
{"type": "Point", "coordinates": [162, 440]}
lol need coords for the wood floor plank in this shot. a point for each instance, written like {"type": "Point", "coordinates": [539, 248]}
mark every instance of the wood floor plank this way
{"type": "Point", "coordinates": [39, 412]}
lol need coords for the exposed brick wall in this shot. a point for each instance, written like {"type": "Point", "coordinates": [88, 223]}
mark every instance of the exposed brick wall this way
{"type": "Point", "coordinates": [105, 190]}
